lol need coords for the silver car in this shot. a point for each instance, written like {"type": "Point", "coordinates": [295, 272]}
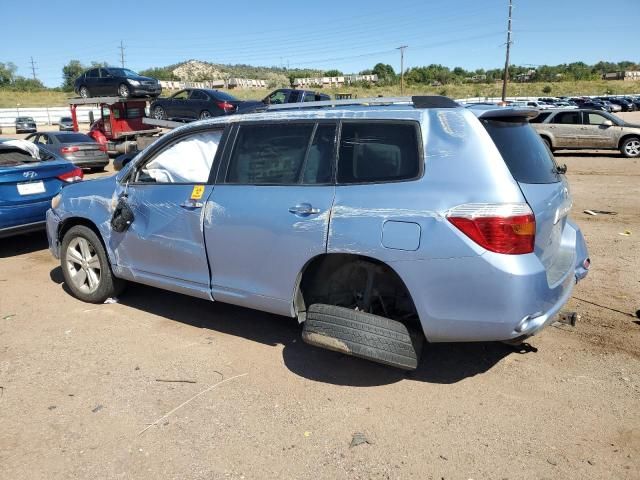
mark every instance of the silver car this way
{"type": "Point", "coordinates": [588, 129]}
{"type": "Point", "coordinates": [377, 225]}
{"type": "Point", "coordinates": [78, 148]}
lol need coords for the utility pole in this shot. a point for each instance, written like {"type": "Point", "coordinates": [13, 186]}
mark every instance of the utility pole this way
{"type": "Point", "coordinates": [505, 79]}
{"type": "Point", "coordinates": [401, 48]}
{"type": "Point", "coordinates": [33, 68]}
{"type": "Point", "coordinates": [121, 53]}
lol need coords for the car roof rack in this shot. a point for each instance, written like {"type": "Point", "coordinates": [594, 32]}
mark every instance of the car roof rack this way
{"type": "Point", "coordinates": [418, 101]}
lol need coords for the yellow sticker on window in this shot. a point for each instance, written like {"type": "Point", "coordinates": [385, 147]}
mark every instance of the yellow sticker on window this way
{"type": "Point", "coordinates": [197, 192]}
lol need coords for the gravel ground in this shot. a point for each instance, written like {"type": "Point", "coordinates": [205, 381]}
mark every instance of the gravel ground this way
{"type": "Point", "coordinates": [80, 396]}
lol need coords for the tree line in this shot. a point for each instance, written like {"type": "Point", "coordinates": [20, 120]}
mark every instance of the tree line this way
{"type": "Point", "coordinates": [425, 75]}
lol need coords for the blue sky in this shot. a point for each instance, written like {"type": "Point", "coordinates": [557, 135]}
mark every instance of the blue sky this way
{"type": "Point", "coordinates": [348, 35]}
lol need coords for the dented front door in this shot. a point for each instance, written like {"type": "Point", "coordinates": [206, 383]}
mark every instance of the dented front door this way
{"type": "Point", "coordinates": [164, 245]}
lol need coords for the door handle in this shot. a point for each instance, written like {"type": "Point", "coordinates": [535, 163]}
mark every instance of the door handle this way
{"type": "Point", "coordinates": [304, 209]}
{"type": "Point", "coordinates": [191, 204]}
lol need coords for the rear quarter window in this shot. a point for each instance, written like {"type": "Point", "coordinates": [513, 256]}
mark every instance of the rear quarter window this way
{"type": "Point", "coordinates": [527, 157]}
{"type": "Point", "coordinates": [378, 152]}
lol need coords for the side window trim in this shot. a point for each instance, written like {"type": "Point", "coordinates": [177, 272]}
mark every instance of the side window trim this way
{"type": "Point", "coordinates": [420, 150]}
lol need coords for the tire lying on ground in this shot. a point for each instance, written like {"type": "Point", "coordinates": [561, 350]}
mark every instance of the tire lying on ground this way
{"type": "Point", "coordinates": [363, 335]}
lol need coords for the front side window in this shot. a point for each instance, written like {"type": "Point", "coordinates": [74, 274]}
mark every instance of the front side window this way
{"type": "Point", "coordinates": [269, 154]}
{"type": "Point", "coordinates": [378, 152]}
{"type": "Point", "coordinates": [596, 119]}
{"type": "Point", "coordinates": [277, 97]}
{"type": "Point", "coordinates": [183, 95]}
{"type": "Point", "coordinates": [188, 160]}
{"type": "Point", "coordinates": [92, 73]}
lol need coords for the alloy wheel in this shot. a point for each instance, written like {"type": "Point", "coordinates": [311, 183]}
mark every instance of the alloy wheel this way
{"type": "Point", "coordinates": [83, 265]}
{"type": "Point", "coordinates": [123, 90]}
{"type": "Point", "coordinates": [632, 148]}
{"type": "Point", "coordinates": [204, 114]}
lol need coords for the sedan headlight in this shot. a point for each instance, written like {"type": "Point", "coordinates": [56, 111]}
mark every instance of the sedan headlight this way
{"type": "Point", "coordinates": [55, 201]}
{"type": "Point", "coordinates": [134, 82]}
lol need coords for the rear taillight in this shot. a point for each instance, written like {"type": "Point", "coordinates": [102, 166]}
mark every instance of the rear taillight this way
{"type": "Point", "coordinates": [69, 149]}
{"type": "Point", "coordinates": [74, 175]}
{"type": "Point", "coordinates": [501, 228]}
{"type": "Point", "coordinates": [226, 106]}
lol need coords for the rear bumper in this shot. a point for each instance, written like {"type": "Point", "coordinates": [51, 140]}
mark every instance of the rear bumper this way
{"type": "Point", "coordinates": [91, 162]}
{"type": "Point", "coordinates": [19, 229]}
{"type": "Point", "coordinates": [490, 297]}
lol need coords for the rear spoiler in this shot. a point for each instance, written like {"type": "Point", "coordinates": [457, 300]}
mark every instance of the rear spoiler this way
{"type": "Point", "coordinates": [504, 113]}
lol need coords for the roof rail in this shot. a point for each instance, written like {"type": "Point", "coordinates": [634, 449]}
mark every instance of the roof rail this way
{"type": "Point", "coordinates": [427, 101]}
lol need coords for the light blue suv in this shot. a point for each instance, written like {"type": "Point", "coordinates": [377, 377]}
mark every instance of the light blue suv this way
{"type": "Point", "coordinates": [376, 224]}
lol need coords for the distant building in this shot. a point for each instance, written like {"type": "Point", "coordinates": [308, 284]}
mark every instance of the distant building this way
{"type": "Point", "coordinates": [231, 83]}
{"type": "Point", "coordinates": [478, 78]}
{"type": "Point", "coordinates": [630, 75]}
{"type": "Point", "coordinates": [527, 76]}
{"type": "Point", "coordinates": [333, 81]}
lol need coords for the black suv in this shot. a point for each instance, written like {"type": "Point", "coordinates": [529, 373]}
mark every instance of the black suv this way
{"type": "Point", "coordinates": [109, 81]}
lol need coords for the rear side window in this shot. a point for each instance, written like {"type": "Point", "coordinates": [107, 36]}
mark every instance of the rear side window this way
{"type": "Point", "coordinates": [524, 152]}
{"type": "Point", "coordinates": [378, 152]}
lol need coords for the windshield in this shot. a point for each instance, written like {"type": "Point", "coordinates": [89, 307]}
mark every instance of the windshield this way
{"type": "Point", "coordinates": [24, 119]}
{"type": "Point", "coordinates": [75, 138]}
{"type": "Point", "coordinates": [66, 119]}
{"type": "Point", "coordinates": [122, 72]}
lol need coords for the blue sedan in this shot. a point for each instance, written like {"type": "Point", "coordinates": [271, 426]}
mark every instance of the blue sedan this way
{"type": "Point", "coordinates": [29, 180]}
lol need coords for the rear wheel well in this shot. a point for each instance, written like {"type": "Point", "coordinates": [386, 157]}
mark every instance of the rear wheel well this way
{"type": "Point", "coordinates": [358, 282]}
{"type": "Point", "coordinates": [547, 139]}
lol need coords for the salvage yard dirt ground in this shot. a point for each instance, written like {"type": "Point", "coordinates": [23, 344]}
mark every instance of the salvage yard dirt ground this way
{"type": "Point", "coordinates": [84, 391]}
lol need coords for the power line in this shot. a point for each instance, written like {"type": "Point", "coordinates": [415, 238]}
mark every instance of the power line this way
{"type": "Point", "coordinates": [122, 53]}
{"type": "Point", "coordinates": [505, 79]}
{"type": "Point", "coordinates": [33, 68]}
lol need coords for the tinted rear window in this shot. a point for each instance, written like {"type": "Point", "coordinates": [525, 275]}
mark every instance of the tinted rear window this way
{"type": "Point", "coordinates": [218, 95]}
{"type": "Point", "coordinates": [524, 152]}
{"type": "Point", "coordinates": [378, 152]}
{"type": "Point", "coordinates": [74, 138]}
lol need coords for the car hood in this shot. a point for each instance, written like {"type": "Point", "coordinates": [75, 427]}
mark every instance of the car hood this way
{"type": "Point", "coordinates": [631, 125]}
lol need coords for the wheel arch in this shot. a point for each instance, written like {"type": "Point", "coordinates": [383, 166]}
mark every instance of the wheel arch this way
{"type": "Point", "coordinates": [71, 222]}
{"type": "Point", "coordinates": [626, 137]}
{"type": "Point", "coordinates": [319, 266]}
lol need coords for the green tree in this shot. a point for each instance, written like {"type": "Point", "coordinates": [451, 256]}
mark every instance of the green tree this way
{"type": "Point", "coordinates": [70, 72]}
{"type": "Point", "coordinates": [385, 73]}
{"type": "Point", "coordinates": [27, 84]}
{"type": "Point", "coordinates": [164, 73]}
{"type": "Point", "coordinates": [333, 73]}
{"type": "Point", "coordinates": [7, 73]}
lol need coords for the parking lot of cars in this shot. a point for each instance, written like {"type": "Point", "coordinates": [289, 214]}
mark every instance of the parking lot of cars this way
{"type": "Point", "coordinates": [132, 387]}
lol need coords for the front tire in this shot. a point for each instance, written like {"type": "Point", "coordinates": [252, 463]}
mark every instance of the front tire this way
{"type": "Point", "coordinates": [630, 148]}
{"type": "Point", "coordinates": [124, 90]}
{"type": "Point", "coordinates": [86, 268]}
